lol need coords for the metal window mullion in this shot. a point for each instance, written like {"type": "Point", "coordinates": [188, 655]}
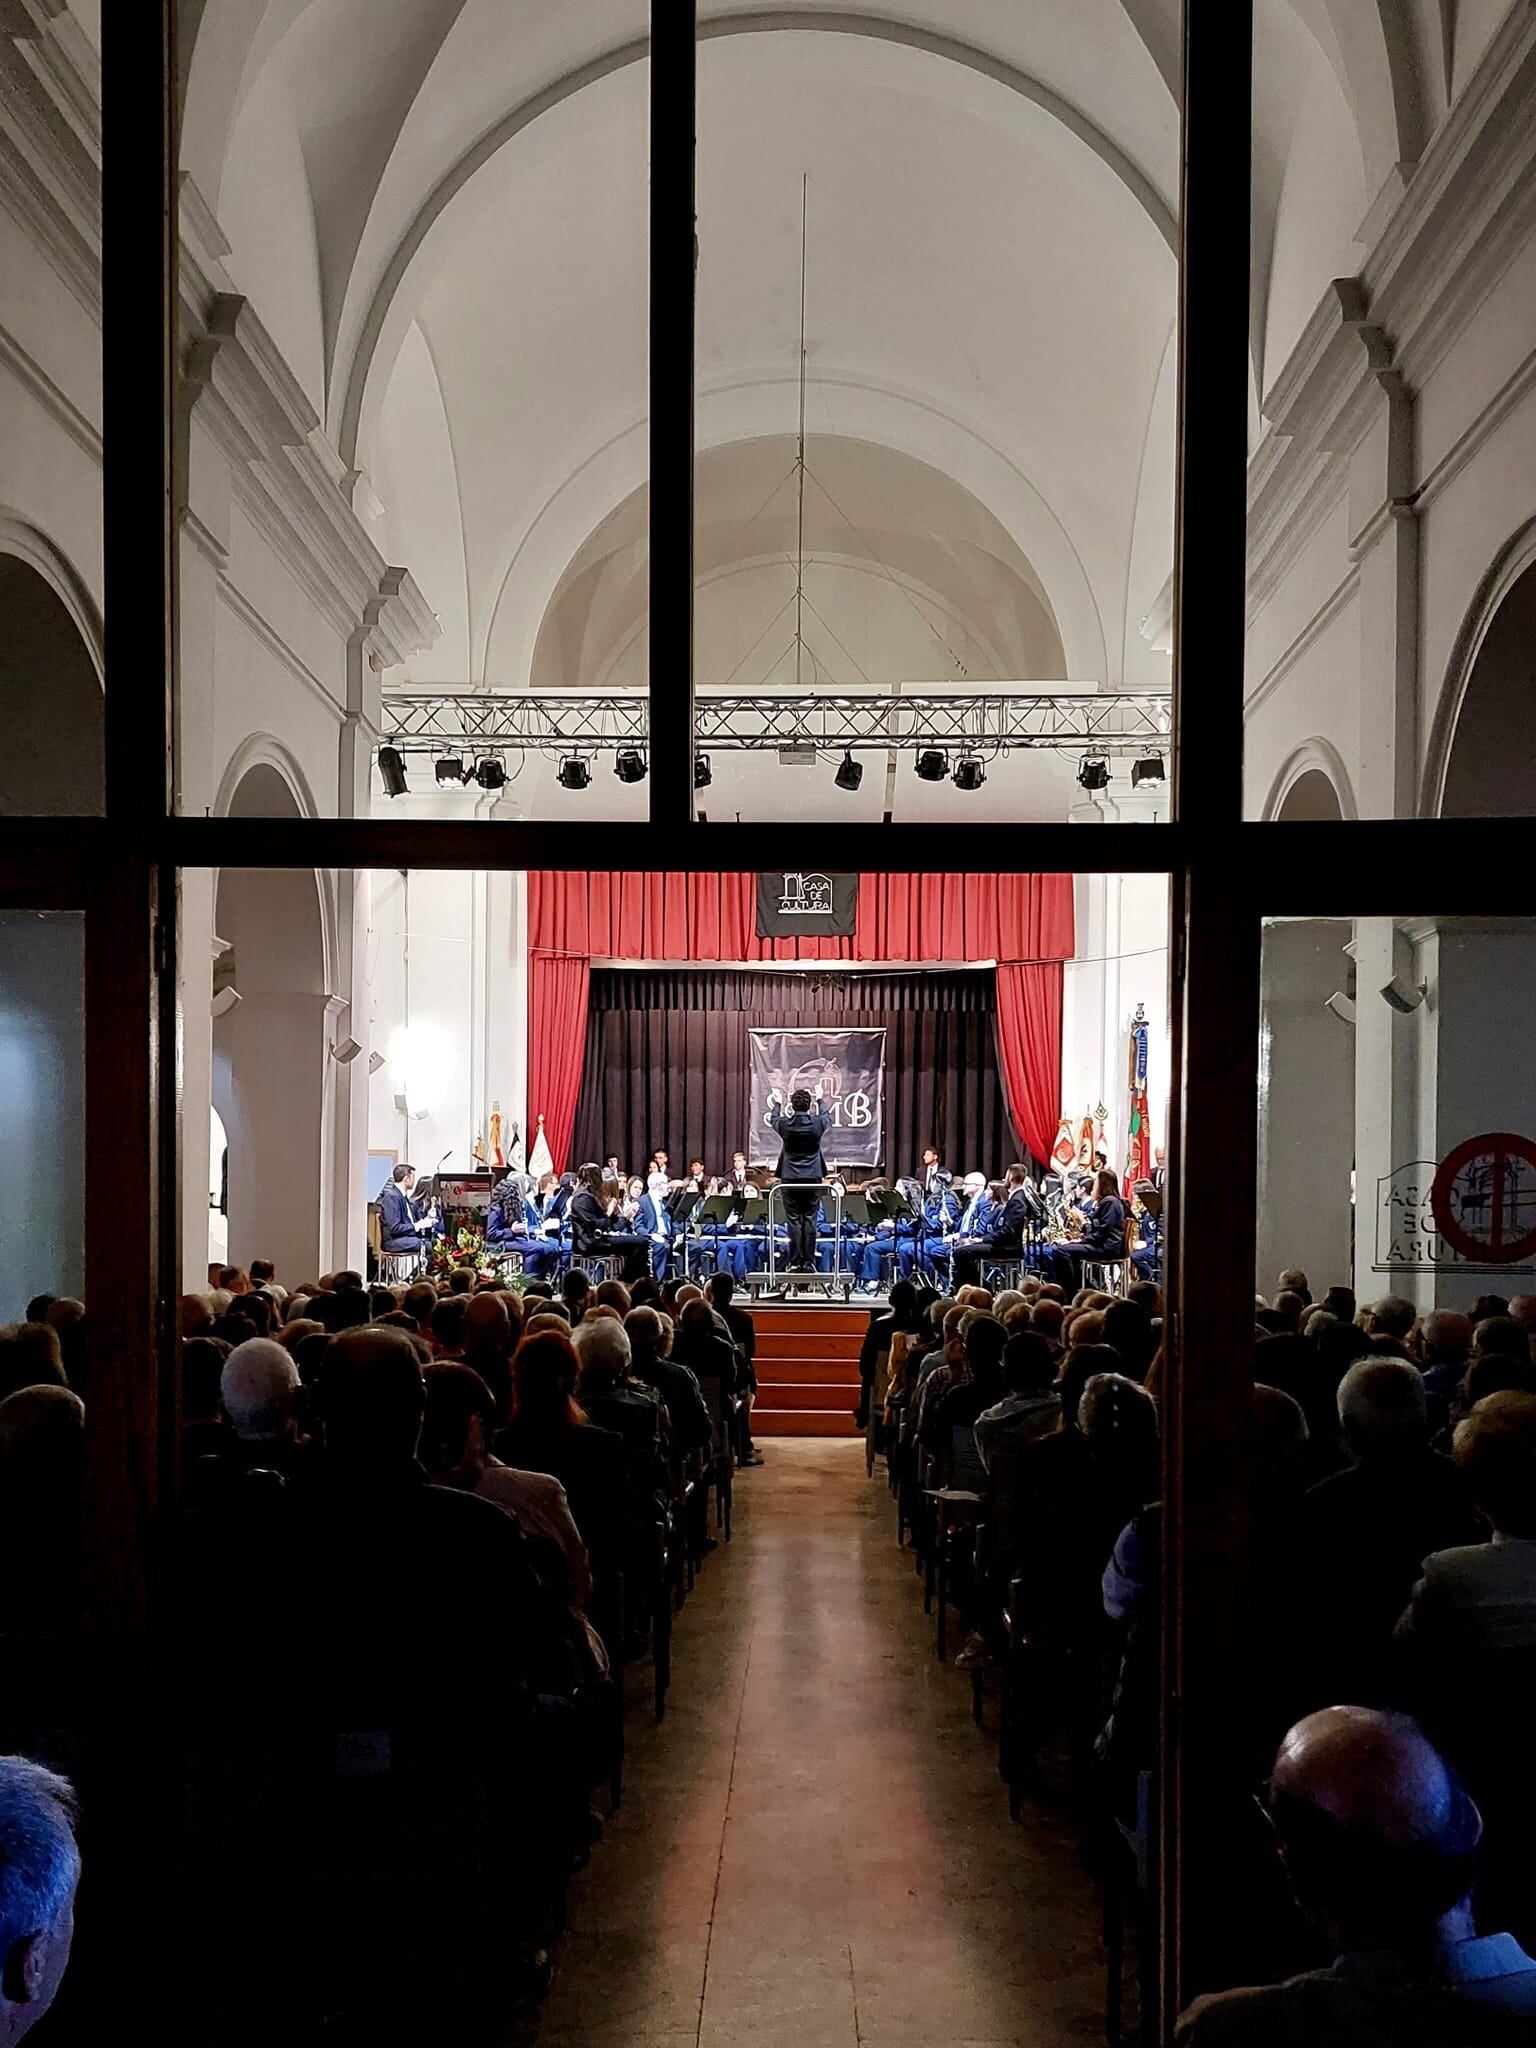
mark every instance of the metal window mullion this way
{"type": "Point", "coordinates": [673, 275]}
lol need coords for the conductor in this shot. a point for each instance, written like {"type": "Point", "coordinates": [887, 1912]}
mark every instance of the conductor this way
{"type": "Point", "coordinates": [800, 1162]}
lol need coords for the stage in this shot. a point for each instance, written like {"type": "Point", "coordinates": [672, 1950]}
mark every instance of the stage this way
{"type": "Point", "coordinates": [807, 1366]}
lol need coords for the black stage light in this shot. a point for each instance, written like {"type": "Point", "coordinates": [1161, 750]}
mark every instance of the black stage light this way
{"type": "Point", "coordinates": [703, 774]}
{"type": "Point", "coordinates": [932, 765]}
{"type": "Point", "coordinates": [629, 764]}
{"type": "Point", "coordinates": [392, 771]}
{"type": "Point", "coordinates": [851, 773]}
{"type": "Point", "coordinates": [1093, 772]}
{"type": "Point", "coordinates": [1148, 769]}
{"type": "Point", "coordinates": [491, 772]}
{"type": "Point", "coordinates": [574, 772]}
{"type": "Point", "coordinates": [450, 769]}
{"type": "Point", "coordinates": [969, 772]}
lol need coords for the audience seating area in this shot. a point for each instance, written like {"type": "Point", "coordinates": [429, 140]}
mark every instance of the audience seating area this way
{"type": "Point", "coordinates": [434, 1540]}
{"type": "Point", "coordinates": [1019, 1437]}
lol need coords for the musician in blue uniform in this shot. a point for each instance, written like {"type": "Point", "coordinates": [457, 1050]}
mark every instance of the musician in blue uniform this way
{"type": "Point", "coordinates": [1147, 1253]}
{"type": "Point", "coordinates": [1003, 1234]}
{"type": "Point", "coordinates": [509, 1227]}
{"type": "Point", "coordinates": [654, 1219]}
{"type": "Point", "coordinates": [801, 1165]}
{"type": "Point", "coordinates": [1103, 1235]}
{"type": "Point", "coordinates": [941, 1216]}
{"type": "Point", "coordinates": [403, 1221]}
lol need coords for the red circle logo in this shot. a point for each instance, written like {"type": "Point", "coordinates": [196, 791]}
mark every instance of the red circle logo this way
{"type": "Point", "coordinates": [1484, 1199]}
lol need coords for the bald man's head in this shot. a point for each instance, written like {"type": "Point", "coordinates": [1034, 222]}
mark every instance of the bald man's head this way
{"type": "Point", "coordinates": [1376, 1831]}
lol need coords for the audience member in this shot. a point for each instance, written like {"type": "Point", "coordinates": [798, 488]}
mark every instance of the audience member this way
{"type": "Point", "coordinates": [1363, 1533]}
{"type": "Point", "coordinates": [1031, 1407]}
{"type": "Point", "coordinates": [42, 1474]}
{"type": "Point", "coordinates": [688, 1420]}
{"type": "Point", "coordinates": [1378, 1840]}
{"type": "Point", "coordinates": [39, 1874]}
{"type": "Point", "coordinates": [30, 1357]}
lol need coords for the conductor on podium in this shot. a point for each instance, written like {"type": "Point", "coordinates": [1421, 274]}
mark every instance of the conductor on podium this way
{"type": "Point", "coordinates": [801, 1162]}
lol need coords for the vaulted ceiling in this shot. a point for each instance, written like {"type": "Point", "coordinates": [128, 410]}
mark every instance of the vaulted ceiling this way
{"type": "Point", "coordinates": [440, 213]}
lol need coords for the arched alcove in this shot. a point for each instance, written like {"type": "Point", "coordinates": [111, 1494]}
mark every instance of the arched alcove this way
{"type": "Point", "coordinates": [1310, 800]}
{"type": "Point", "coordinates": [50, 687]}
{"type": "Point", "coordinates": [1488, 770]}
{"type": "Point", "coordinates": [271, 1081]}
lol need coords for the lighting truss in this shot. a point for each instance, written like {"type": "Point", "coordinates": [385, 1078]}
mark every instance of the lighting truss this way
{"type": "Point", "coordinates": [986, 721]}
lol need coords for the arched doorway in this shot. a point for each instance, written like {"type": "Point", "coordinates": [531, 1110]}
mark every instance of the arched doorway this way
{"type": "Point", "coordinates": [272, 1086]}
{"type": "Point", "coordinates": [50, 686]}
{"type": "Point", "coordinates": [1310, 800]}
{"type": "Point", "coordinates": [1488, 766]}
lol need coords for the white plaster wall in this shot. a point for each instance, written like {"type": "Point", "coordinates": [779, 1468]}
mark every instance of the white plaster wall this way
{"type": "Point", "coordinates": [1122, 960]}
{"type": "Point", "coordinates": [1306, 1106]}
{"type": "Point", "coordinates": [440, 1014]}
{"type": "Point", "coordinates": [1323, 199]}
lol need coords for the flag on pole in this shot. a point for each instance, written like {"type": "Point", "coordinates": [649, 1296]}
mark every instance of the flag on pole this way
{"type": "Point", "coordinates": [1138, 1157]}
{"type": "Point", "coordinates": [1064, 1151]}
{"type": "Point", "coordinates": [540, 1159]}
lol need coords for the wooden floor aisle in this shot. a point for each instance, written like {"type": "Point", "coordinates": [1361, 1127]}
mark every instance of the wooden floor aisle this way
{"type": "Point", "coordinates": [814, 1850]}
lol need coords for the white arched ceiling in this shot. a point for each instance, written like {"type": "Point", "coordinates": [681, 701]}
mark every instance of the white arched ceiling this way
{"type": "Point", "coordinates": [415, 477]}
{"type": "Point", "coordinates": [908, 579]}
{"type": "Point", "coordinates": [973, 266]}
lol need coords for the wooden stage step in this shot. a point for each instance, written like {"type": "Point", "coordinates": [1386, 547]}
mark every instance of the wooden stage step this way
{"type": "Point", "coordinates": [807, 1369]}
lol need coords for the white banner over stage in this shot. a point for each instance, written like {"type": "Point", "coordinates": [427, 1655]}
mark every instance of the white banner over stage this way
{"type": "Point", "coordinates": [847, 1070]}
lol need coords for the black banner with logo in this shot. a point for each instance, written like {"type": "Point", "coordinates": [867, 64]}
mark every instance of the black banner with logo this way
{"type": "Point", "coordinates": [845, 1068]}
{"type": "Point", "coordinates": [809, 905]}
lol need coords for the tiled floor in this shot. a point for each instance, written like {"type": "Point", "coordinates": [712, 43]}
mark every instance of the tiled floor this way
{"type": "Point", "coordinates": [815, 1849]}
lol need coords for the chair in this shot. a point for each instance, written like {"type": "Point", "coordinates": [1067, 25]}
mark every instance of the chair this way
{"type": "Point", "coordinates": [397, 1269]}
{"type": "Point", "coordinates": [999, 1274]}
{"type": "Point", "coordinates": [1113, 1276]}
{"type": "Point", "coordinates": [957, 1512]}
{"type": "Point", "coordinates": [1130, 1894]}
{"type": "Point", "coordinates": [598, 1266]}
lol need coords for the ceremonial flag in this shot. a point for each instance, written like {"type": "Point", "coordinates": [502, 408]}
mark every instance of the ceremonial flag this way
{"type": "Point", "coordinates": [1138, 1158]}
{"type": "Point", "coordinates": [1064, 1152]}
{"type": "Point", "coordinates": [540, 1160]}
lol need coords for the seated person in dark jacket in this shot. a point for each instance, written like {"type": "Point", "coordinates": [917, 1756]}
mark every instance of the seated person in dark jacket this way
{"type": "Point", "coordinates": [958, 1407]}
{"type": "Point", "coordinates": [1103, 1236]}
{"type": "Point", "coordinates": [598, 1230]}
{"type": "Point", "coordinates": [613, 1401]}
{"type": "Point", "coordinates": [1001, 1236]}
{"type": "Point", "coordinates": [1379, 1841]}
{"type": "Point", "coordinates": [701, 1346]}
{"type": "Point", "coordinates": [401, 1218]}
{"type": "Point", "coordinates": [688, 1424]}
{"type": "Point", "coordinates": [1363, 1533]}
{"type": "Point", "coordinates": [550, 1433]}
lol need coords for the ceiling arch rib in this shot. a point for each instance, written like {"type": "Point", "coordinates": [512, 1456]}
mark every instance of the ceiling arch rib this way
{"type": "Point", "coordinates": [362, 366]}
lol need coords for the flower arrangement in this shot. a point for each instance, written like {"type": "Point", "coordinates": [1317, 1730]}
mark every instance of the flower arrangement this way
{"type": "Point", "coordinates": [462, 1247]}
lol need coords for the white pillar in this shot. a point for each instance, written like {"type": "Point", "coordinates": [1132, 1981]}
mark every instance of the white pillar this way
{"type": "Point", "coordinates": [1386, 1102]}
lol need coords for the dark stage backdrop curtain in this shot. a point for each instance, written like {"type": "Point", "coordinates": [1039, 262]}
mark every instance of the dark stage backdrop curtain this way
{"type": "Point", "coordinates": [666, 1061]}
{"type": "Point", "coordinates": [1023, 922]}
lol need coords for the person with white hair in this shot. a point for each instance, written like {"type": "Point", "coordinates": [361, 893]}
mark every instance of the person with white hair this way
{"type": "Point", "coordinates": [259, 1399]}
{"type": "Point", "coordinates": [653, 1217]}
{"type": "Point", "coordinates": [615, 1400]}
{"type": "Point", "coordinates": [39, 1874]}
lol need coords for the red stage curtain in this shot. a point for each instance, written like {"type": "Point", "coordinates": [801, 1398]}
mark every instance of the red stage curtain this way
{"type": "Point", "coordinates": [1029, 1049]}
{"type": "Point", "coordinates": [714, 917]}
{"type": "Point", "coordinates": [557, 1032]}
{"type": "Point", "coordinates": [1023, 922]}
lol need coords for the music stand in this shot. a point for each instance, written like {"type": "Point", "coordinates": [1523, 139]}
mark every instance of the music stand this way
{"type": "Point", "coordinates": [713, 1211]}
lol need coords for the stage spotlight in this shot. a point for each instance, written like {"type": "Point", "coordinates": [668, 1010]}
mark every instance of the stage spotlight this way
{"type": "Point", "coordinates": [392, 771]}
{"type": "Point", "coordinates": [851, 773]}
{"type": "Point", "coordinates": [491, 773]}
{"type": "Point", "coordinates": [703, 774]}
{"type": "Point", "coordinates": [574, 772]}
{"type": "Point", "coordinates": [1148, 769]}
{"type": "Point", "coordinates": [969, 772]}
{"type": "Point", "coordinates": [932, 765]}
{"type": "Point", "coordinates": [1093, 772]}
{"type": "Point", "coordinates": [450, 769]}
{"type": "Point", "coordinates": [629, 764]}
